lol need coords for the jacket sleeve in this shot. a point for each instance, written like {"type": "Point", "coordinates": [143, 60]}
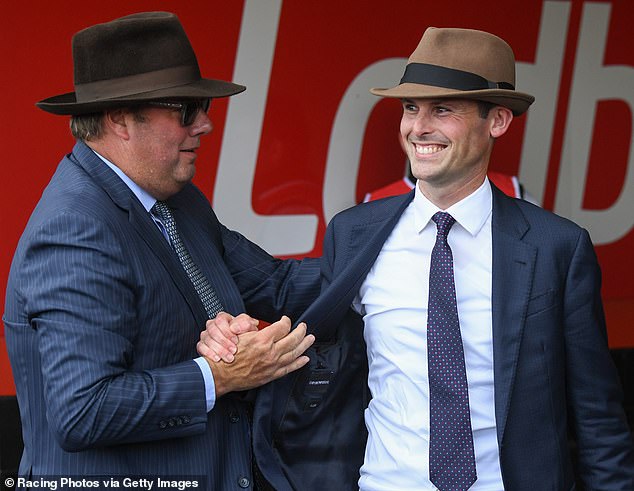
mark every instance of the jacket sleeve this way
{"type": "Point", "coordinates": [594, 393]}
{"type": "Point", "coordinates": [270, 287]}
{"type": "Point", "coordinates": [77, 304]}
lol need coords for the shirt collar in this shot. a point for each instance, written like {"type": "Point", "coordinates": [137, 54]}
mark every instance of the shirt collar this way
{"type": "Point", "coordinates": [146, 199]}
{"type": "Point", "coordinates": [471, 212]}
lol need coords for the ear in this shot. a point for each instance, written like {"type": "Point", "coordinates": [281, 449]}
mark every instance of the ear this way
{"type": "Point", "coordinates": [501, 118]}
{"type": "Point", "coordinates": [116, 122]}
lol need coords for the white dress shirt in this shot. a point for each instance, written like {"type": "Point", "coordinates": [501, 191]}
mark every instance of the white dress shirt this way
{"type": "Point", "coordinates": [393, 301]}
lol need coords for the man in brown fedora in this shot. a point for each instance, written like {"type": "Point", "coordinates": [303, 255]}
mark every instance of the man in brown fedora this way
{"type": "Point", "coordinates": [119, 267]}
{"type": "Point", "coordinates": [482, 315]}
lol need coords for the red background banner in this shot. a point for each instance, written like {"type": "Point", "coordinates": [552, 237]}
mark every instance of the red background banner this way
{"type": "Point", "coordinates": [306, 139]}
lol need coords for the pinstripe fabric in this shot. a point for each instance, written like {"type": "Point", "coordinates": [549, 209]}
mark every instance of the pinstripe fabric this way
{"type": "Point", "coordinates": [207, 295]}
{"type": "Point", "coordinates": [101, 326]}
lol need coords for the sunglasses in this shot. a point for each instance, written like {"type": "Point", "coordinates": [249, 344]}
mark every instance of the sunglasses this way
{"type": "Point", "coordinates": [189, 109]}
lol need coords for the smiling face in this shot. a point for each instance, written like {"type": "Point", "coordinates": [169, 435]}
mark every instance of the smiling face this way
{"type": "Point", "coordinates": [448, 144]}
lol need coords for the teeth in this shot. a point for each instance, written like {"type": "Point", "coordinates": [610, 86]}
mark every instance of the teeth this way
{"type": "Point", "coordinates": [428, 149]}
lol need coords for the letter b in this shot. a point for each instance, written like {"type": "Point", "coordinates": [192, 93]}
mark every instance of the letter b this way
{"type": "Point", "coordinates": [593, 82]}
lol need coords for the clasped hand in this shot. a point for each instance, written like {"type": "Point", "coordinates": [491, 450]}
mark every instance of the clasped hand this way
{"type": "Point", "coordinates": [242, 357]}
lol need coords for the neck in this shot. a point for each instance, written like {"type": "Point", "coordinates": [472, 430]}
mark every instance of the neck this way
{"type": "Point", "coordinates": [445, 196]}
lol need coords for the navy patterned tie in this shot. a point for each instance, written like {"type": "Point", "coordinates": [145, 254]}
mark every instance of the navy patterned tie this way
{"type": "Point", "coordinates": [451, 456]}
{"type": "Point", "coordinates": [205, 291]}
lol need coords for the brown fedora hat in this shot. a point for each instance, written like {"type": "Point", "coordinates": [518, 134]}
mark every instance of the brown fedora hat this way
{"type": "Point", "coordinates": [139, 57]}
{"type": "Point", "coordinates": [461, 64]}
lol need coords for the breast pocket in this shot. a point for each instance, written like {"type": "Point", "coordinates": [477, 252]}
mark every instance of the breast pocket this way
{"type": "Point", "coordinates": [541, 302]}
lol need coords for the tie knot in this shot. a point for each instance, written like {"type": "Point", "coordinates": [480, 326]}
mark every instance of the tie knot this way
{"type": "Point", "coordinates": [161, 210]}
{"type": "Point", "coordinates": [444, 222]}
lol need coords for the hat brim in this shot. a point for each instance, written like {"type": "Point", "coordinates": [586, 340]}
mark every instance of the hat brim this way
{"type": "Point", "coordinates": [67, 104]}
{"type": "Point", "coordinates": [517, 102]}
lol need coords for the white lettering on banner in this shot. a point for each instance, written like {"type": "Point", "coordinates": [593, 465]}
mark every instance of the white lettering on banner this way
{"type": "Point", "coordinates": [296, 234]}
{"type": "Point", "coordinates": [542, 79]}
{"type": "Point", "coordinates": [280, 234]}
{"type": "Point", "coordinates": [591, 83]}
{"type": "Point", "coordinates": [346, 137]}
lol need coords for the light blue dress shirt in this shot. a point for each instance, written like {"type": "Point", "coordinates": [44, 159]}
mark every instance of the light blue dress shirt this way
{"type": "Point", "coordinates": [148, 201]}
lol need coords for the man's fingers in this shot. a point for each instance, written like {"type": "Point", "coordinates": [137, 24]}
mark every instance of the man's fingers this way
{"type": "Point", "coordinates": [290, 348]}
{"type": "Point", "coordinates": [262, 356]}
{"type": "Point", "coordinates": [306, 343]}
{"type": "Point", "coordinates": [291, 367]}
{"type": "Point", "coordinates": [278, 330]}
{"type": "Point", "coordinates": [210, 348]}
{"type": "Point", "coordinates": [219, 339]}
{"type": "Point", "coordinates": [295, 351]}
{"type": "Point", "coordinates": [292, 340]}
{"type": "Point", "coordinates": [204, 350]}
{"type": "Point", "coordinates": [219, 329]}
{"type": "Point", "coordinates": [243, 323]}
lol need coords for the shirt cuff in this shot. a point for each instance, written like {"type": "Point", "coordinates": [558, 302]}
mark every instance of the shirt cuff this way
{"type": "Point", "coordinates": [210, 387]}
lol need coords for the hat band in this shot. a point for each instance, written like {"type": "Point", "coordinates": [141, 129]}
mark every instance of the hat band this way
{"type": "Point", "coordinates": [450, 78]}
{"type": "Point", "coordinates": [137, 84]}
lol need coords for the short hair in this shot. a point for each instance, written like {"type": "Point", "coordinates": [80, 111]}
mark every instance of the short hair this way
{"type": "Point", "coordinates": [484, 108]}
{"type": "Point", "coordinates": [86, 127]}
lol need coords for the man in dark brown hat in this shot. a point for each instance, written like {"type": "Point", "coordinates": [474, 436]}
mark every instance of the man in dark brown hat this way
{"type": "Point", "coordinates": [482, 313]}
{"type": "Point", "coordinates": [120, 266]}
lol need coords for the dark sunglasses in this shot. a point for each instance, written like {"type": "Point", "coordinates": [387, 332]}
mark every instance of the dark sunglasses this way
{"type": "Point", "coordinates": [189, 109]}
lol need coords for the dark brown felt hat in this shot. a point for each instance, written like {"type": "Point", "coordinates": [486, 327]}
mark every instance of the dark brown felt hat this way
{"type": "Point", "coordinates": [461, 64]}
{"type": "Point", "coordinates": [140, 57]}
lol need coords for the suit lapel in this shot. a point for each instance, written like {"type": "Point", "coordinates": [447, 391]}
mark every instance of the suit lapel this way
{"type": "Point", "coordinates": [357, 251]}
{"type": "Point", "coordinates": [141, 222]}
{"type": "Point", "coordinates": [151, 235]}
{"type": "Point", "coordinates": [513, 266]}
{"type": "Point", "coordinates": [360, 250]}
{"type": "Point", "coordinates": [204, 243]}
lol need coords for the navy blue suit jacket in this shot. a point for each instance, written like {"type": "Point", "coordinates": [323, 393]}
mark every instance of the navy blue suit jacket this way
{"type": "Point", "coordinates": [552, 367]}
{"type": "Point", "coordinates": [102, 323]}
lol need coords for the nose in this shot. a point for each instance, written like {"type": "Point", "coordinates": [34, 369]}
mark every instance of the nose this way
{"type": "Point", "coordinates": [202, 125]}
{"type": "Point", "coordinates": [422, 123]}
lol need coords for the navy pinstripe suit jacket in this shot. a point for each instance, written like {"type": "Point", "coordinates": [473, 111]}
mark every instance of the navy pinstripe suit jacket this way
{"type": "Point", "coordinates": [101, 327]}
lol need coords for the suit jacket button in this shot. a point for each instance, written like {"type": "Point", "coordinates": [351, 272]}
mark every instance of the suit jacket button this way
{"type": "Point", "coordinates": [243, 482]}
{"type": "Point", "coordinates": [186, 420]}
{"type": "Point", "coordinates": [163, 424]}
{"type": "Point", "coordinates": [234, 417]}
{"type": "Point", "coordinates": [171, 423]}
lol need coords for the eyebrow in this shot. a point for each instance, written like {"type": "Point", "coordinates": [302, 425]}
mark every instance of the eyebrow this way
{"type": "Point", "coordinates": [440, 100]}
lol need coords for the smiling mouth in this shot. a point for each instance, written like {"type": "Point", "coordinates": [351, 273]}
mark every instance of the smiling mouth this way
{"type": "Point", "coordinates": [427, 149]}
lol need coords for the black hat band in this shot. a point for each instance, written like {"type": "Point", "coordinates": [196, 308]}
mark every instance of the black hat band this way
{"type": "Point", "coordinates": [137, 84]}
{"type": "Point", "coordinates": [450, 78]}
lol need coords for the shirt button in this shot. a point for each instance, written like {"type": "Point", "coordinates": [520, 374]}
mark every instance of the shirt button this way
{"type": "Point", "coordinates": [243, 482]}
{"type": "Point", "coordinates": [234, 417]}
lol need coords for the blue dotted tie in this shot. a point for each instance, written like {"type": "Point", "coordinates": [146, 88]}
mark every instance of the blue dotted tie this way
{"type": "Point", "coordinates": [205, 291]}
{"type": "Point", "coordinates": [451, 456]}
